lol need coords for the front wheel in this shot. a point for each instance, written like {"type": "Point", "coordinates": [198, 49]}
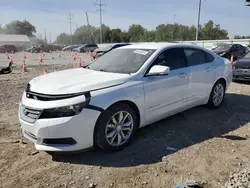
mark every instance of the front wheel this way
{"type": "Point", "coordinates": [217, 95]}
{"type": "Point", "coordinates": [115, 127]}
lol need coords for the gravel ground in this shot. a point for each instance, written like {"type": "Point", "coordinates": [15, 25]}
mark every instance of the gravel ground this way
{"type": "Point", "coordinates": [239, 179]}
{"type": "Point", "coordinates": [48, 58]}
{"type": "Point", "coordinates": [196, 145]}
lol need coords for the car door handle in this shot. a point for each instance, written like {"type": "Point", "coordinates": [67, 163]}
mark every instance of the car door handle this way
{"type": "Point", "coordinates": [208, 69]}
{"type": "Point", "coordinates": [183, 75]}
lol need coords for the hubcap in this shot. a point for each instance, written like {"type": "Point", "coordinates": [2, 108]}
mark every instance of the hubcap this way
{"type": "Point", "coordinates": [119, 128]}
{"type": "Point", "coordinates": [218, 94]}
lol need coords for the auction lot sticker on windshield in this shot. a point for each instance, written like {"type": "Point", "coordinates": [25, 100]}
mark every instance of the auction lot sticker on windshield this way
{"type": "Point", "coordinates": [142, 52]}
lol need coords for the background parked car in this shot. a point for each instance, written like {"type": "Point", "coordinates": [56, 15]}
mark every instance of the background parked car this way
{"type": "Point", "coordinates": [85, 48]}
{"type": "Point", "coordinates": [70, 47]}
{"type": "Point", "coordinates": [45, 48]}
{"type": "Point", "coordinates": [227, 50]}
{"type": "Point", "coordinates": [102, 50]}
{"type": "Point", "coordinates": [8, 48]}
{"type": "Point", "coordinates": [241, 68]}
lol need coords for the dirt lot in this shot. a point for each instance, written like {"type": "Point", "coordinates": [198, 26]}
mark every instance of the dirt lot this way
{"type": "Point", "coordinates": [210, 144]}
{"type": "Point", "coordinates": [62, 58]}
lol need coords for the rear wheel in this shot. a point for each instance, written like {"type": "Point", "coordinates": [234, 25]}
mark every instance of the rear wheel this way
{"type": "Point", "coordinates": [116, 127]}
{"type": "Point", "coordinates": [217, 95]}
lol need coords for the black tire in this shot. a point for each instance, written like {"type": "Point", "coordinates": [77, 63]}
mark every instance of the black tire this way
{"type": "Point", "coordinates": [100, 130]}
{"type": "Point", "coordinates": [211, 103]}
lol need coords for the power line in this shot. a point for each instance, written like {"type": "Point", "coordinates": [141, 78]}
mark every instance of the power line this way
{"type": "Point", "coordinates": [100, 5]}
{"type": "Point", "coordinates": [70, 26]}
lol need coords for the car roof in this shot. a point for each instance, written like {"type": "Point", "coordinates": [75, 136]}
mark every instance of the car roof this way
{"type": "Point", "coordinates": [157, 46]}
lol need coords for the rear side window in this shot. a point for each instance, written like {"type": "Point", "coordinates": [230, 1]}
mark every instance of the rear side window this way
{"type": "Point", "coordinates": [209, 57]}
{"type": "Point", "coordinates": [197, 57]}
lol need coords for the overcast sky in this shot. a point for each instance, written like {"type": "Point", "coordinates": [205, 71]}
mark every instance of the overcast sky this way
{"type": "Point", "coordinates": [52, 15]}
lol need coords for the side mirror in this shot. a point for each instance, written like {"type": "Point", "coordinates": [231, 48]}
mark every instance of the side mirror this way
{"type": "Point", "coordinates": [158, 70]}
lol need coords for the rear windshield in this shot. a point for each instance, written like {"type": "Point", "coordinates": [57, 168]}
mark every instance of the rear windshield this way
{"type": "Point", "coordinates": [223, 47]}
{"type": "Point", "coordinates": [122, 60]}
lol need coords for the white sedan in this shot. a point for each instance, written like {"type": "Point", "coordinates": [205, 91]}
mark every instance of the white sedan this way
{"type": "Point", "coordinates": [130, 87]}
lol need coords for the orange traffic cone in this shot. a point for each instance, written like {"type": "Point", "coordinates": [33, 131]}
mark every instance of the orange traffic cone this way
{"type": "Point", "coordinates": [45, 71]}
{"type": "Point", "coordinates": [24, 67]}
{"type": "Point", "coordinates": [41, 58]}
{"type": "Point", "coordinates": [79, 64]}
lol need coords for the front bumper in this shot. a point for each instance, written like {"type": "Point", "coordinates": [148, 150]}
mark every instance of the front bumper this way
{"type": "Point", "coordinates": [60, 134]}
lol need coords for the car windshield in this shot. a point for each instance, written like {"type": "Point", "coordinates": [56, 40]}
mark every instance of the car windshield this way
{"type": "Point", "coordinates": [246, 56]}
{"type": "Point", "coordinates": [122, 60]}
{"type": "Point", "coordinates": [223, 47]}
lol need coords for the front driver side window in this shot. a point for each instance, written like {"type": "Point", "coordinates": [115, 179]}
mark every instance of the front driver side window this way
{"type": "Point", "coordinates": [173, 58]}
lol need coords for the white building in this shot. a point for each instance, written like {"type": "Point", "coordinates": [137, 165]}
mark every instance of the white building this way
{"type": "Point", "coordinates": [22, 42]}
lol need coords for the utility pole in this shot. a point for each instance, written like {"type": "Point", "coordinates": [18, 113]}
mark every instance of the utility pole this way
{"type": "Point", "coordinates": [198, 23]}
{"type": "Point", "coordinates": [70, 26]}
{"type": "Point", "coordinates": [50, 37]}
{"type": "Point", "coordinates": [100, 5]}
{"type": "Point", "coordinates": [90, 38]}
{"type": "Point", "coordinates": [45, 36]}
{"type": "Point", "coordinates": [173, 28]}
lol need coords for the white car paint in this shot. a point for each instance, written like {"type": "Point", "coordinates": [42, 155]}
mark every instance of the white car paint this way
{"type": "Point", "coordinates": [76, 80]}
{"type": "Point", "coordinates": [155, 97]}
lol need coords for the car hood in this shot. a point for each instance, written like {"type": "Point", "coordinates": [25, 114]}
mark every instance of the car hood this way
{"type": "Point", "coordinates": [242, 63]}
{"type": "Point", "coordinates": [75, 81]}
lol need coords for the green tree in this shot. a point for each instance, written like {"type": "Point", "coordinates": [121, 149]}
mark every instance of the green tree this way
{"type": "Point", "coordinates": [149, 36]}
{"type": "Point", "coordinates": [125, 37]}
{"type": "Point", "coordinates": [82, 35]}
{"type": "Point", "coordinates": [63, 38]}
{"type": "Point", "coordinates": [212, 31]}
{"type": "Point", "coordinates": [241, 37]}
{"type": "Point", "coordinates": [162, 33]}
{"type": "Point", "coordinates": [20, 28]}
{"type": "Point", "coordinates": [116, 35]}
{"type": "Point", "coordinates": [136, 32]}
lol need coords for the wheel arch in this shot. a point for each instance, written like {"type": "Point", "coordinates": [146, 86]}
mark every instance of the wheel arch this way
{"type": "Point", "coordinates": [223, 80]}
{"type": "Point", "coordinates": [128, 102]}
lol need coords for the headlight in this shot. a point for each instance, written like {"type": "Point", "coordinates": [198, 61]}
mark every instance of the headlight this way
{"type": "Point", "coordinates": [66, 111]}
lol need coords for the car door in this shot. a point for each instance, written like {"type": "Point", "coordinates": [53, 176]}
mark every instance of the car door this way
{"type": "Point", "coordinates": [166, 94]}
{"type": "Point", "coordinates": [202, 75]}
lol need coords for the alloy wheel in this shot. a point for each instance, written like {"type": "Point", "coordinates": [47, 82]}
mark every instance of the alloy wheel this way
{"type": "Point", "coordinates": [119, 128]}
{"type": "Point", "coordinates": [218, 94]}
